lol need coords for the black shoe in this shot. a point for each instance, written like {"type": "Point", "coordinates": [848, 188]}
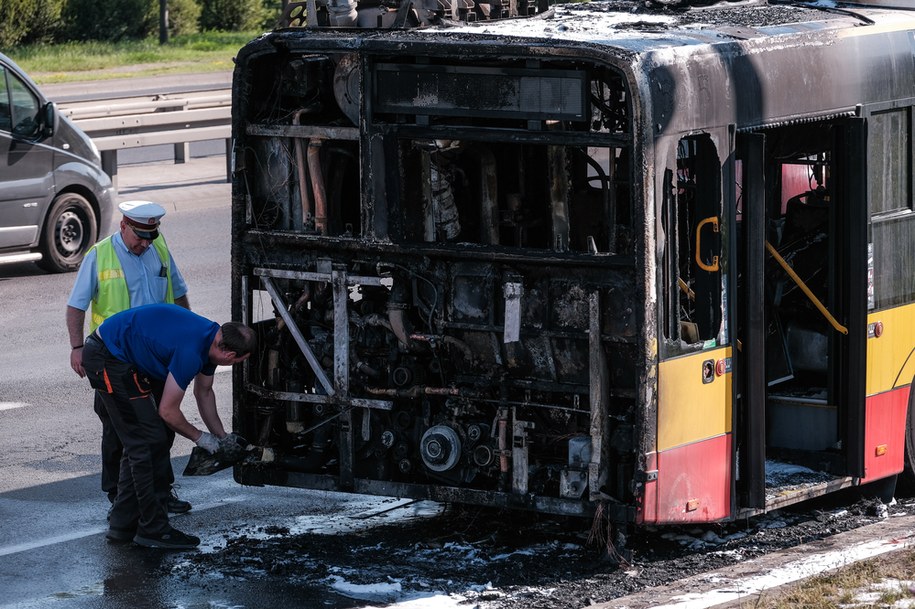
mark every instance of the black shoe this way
{"type": "Point", "coordinates": [173, 540]}
{"type": "Point", "coordinates": [115, 535]}
{"type": "Point", "coordinates": [175, 505]}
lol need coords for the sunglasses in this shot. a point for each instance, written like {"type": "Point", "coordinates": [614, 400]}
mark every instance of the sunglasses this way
{"type": "Point", "coordinates": [144, 235]}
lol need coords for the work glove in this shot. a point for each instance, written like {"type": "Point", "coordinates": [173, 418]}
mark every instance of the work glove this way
{"type": "Point", "coordinates": [208, 442]}
{"type": "Point", "coordinates": [232, 447]}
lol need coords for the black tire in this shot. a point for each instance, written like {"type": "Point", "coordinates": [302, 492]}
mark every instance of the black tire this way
{"type": "Point", "coordinates": [883, 489]}
{"type": "Point", "coordinates": [907, 477]}
{"type": "Point", "coordinates": [69, 231]}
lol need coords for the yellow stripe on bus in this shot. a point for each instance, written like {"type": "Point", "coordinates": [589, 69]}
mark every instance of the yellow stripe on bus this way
{"type": "Point", "coordinates": [688, 409]}
{"type": "Point", "coordinates": [890, 361]}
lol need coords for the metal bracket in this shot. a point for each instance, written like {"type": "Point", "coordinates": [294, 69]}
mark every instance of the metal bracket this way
{"type": "Point", "coordinates": [297, 335]}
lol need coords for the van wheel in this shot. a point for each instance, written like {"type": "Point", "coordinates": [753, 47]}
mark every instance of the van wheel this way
{"type": "Point", "coordinates": [68, 233]}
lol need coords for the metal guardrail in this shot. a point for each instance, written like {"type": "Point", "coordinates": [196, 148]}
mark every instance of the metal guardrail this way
{"type": "Point", "coordinates": [137, 122]}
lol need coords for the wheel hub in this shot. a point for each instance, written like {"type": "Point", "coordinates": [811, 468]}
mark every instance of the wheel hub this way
{"type": "Point", "coordinates": [70, 233]}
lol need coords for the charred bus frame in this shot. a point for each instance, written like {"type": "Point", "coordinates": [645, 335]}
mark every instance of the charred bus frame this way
{"type": "Point", "coordinates": [612, 260]}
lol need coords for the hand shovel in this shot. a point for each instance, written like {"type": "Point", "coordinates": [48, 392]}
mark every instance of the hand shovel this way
{"type": "Point", "coordinates": [232, 449]}
{"type": "Point", "coordinates": [202, 463]}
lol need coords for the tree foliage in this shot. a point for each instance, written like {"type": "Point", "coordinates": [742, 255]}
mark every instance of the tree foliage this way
{"type": "Point", "coordinates": [13, 28]}
{"type": "Point", "coordinates": [110, 20]}
{"type": "Point", "coordinates": [183, 16]}
{"type": "Point", "coordinates": [43, 21]}
{"type": "Point", "coordinates": [232, 15]}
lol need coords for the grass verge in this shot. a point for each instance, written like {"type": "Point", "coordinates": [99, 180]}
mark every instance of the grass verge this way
{"type": "Point", "coordinates": [77, 61]}
{"type": "Point", "coordinates": [881, 583]}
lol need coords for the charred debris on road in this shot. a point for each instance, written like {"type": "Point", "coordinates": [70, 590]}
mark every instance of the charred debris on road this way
{"type": "Point", "coordinates": [536, 561]}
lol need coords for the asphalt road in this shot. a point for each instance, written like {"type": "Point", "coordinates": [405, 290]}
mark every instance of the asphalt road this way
{"type": "Point", "coordinates": [130, 87]}
{"type": "Point", "coordinates": [52, 512]}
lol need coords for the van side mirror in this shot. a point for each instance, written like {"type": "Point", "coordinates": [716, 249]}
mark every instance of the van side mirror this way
{"type": "Point", "coordinates": [48, 117]}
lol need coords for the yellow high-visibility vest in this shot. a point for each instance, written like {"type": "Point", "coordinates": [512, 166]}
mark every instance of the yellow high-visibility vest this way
{"type": "Point", "coordinates": [113, 296]}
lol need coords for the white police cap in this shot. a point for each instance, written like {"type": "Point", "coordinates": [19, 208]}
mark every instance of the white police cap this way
{"type": "Point", "coordinates": [143, 217]}
{"type": "Point", "coordinates": [142, 212]}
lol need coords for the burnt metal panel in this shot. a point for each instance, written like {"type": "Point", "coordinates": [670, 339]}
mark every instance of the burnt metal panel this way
{"type": "Point", "coordinates": [851, 349]}
{"type": "Point", "coordinates": [752, 415]}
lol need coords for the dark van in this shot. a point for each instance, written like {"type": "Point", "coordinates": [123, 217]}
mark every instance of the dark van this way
{"type": "Point", "coordinates": [54, 197]}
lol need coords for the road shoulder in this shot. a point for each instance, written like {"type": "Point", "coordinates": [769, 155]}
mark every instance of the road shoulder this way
{"type": "Point", "coordinates": [744, 581]}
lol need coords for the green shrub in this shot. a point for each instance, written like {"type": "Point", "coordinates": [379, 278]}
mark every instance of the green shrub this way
{"type": "Point", "coordinates": [232, 15]}
{"type": "Point", "coordinates": [183, 16]}
{"type": "Point", "coordinates": [273, 10]}
{"type": "Point", "coordinates": [43, 21]}
{"type": "Point", "coordinates": [13, 28]}
{"type": "Point", "coordinates": [110, 20]}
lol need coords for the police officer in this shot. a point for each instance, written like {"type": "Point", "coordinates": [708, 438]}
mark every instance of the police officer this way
{"type": "Point", "coordinates": [130, 268]}
{"type": "Point", "coordinates": [173, 346]}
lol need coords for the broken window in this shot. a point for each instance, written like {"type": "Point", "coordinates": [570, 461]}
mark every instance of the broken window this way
{"type": "Point", "coordinates": [526, 196]}
{"type": "Point", "coordinates": [692, 255]}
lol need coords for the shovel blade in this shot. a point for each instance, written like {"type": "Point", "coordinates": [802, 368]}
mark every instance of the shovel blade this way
{"type": "Point", "coordinates": [202, 463]}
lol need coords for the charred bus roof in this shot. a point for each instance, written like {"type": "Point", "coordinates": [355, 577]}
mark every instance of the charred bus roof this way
{"type": "Point", "coordinates": [640, 25]}
{"type": "Point", "coordinates": [739, 63]}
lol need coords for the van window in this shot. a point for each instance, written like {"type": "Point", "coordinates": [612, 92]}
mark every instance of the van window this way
{"type": "Point", "coordinates": [6, 120]}
{"type": "Point", "coordinates": [24, 106]}
{"type": "Point", "coordinates": [18, 106]}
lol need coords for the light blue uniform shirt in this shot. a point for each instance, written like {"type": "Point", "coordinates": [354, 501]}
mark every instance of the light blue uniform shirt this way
{"type": "Point", "coordinates": [144, 284]}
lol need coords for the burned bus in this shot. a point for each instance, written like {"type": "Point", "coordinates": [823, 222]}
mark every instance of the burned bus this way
{"type": "Point", "coordinates": [652, 261]}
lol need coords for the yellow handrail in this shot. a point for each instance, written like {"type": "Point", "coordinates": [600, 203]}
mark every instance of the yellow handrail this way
{"type": "Point", "coordinates": [686, 289]}
{"type": "Point", "coordinates": [713, 267]}
{"type": "Point", "coordinates": [800, 283]}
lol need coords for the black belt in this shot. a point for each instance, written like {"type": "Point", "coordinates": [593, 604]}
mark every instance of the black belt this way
{"type": "Point", "coordinates": [94, 337]}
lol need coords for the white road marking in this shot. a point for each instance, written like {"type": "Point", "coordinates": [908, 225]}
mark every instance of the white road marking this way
{"type": "Point", "coordinates": [11, 405]}
{"type": "Point", "coordinates": [50, 541]}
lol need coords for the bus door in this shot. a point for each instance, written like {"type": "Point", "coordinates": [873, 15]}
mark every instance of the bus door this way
{"type": "Point", "coordinates": [801, 265]}
{"type": "Point", "coordinates": [749, 218]}
{"type": "Point", "coordinates": [694, 452]}
{"type": "Point", "coordinates": [847, 345]}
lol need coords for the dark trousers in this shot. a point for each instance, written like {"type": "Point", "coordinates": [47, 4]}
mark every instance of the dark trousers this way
{"type": "Point", "coordinates": [113, 450]}
{"type": "Point", "coordinates": [145, 470]}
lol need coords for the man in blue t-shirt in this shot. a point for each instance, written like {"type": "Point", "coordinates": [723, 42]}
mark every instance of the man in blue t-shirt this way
{"type": "Point", "coordinates": [122, 359]}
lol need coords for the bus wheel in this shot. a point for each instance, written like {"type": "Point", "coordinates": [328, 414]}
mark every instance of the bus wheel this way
{"type": "Point", "coordinates": [883, 489]}
{"type": "Point", "coordinates": [907, 478]}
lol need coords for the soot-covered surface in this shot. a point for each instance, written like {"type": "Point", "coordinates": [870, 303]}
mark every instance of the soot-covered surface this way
{"type": "Point", "coordinates": [427, 555]}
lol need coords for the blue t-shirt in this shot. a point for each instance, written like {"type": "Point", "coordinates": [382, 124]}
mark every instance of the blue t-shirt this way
{"type": "Point", "coordinates": [160, 339]}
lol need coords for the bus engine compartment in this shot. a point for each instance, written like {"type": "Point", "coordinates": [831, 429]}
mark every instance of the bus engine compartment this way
{"type": "Point", "coordinates": [511, 264]}
{"type": "Point", "coordinates": [445, 294]}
